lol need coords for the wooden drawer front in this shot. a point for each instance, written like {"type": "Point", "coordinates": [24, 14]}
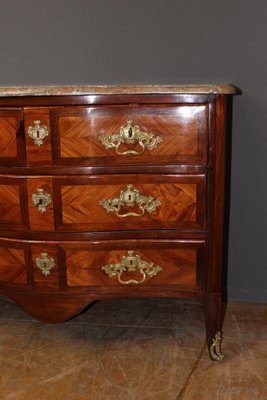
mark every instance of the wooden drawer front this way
{"type": "Point", "coordinates": [13, 203]}
{"type": "Point", "coordinates": [97, 202]}
{"type": "Point", "coordinates": [81, 135]}
{"type": "Point", "coordinates": [182, 131]}
{"type": "Point", "coordinates": [167, 263]}
{"type": "Point", "coordinates": [11, 146]}
{"type": "Point", "coordinates": [14, 259]}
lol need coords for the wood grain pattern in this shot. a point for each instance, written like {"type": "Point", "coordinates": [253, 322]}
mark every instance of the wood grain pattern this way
{"type": "Point", "coordinates": [10, 124]}
{"type": "Point", "coordinates": [13, 203]}
{"type": "Point", "coordinates": [13, 270]}
{"type": "Point", "coordinates": [183, 130]}
{"type": "Point", "coordinates": [182, 201]}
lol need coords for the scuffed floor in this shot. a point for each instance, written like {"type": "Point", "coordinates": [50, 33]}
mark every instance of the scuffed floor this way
{"type": "Point", "coordinates": [150, 349]}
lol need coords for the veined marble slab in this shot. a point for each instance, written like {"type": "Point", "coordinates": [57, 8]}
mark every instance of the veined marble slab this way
{"type": "Point", "coordinates": [6, 91]}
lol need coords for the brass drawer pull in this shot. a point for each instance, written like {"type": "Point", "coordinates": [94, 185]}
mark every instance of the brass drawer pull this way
{"type": "Point", "coordinates": [128, 198]}
{"type": "Point", "coordinates": [131, 263]}
{"type": "Point", "coordinates": [38, 132]}
{"type": "Point", "coordinates": [41, 200]}
{"type": "Point", "coordinates": [130, 134]}
{"type": "Point", "coordinates": [44, 263]}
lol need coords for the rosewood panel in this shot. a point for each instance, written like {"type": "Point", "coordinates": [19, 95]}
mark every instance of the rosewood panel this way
{"type": "Point", "coordinates": [181, 131]}
{"type": "Point", "coordinates": [85, 203]}
{"type": "Point", "coordinates": [12, 149]}
{"type": "Point", "coordinates": [180, 264]}
{"type": "Point", "coordinates": [13, 203]}
{"type": "Point", "coordinates": [14, 264]}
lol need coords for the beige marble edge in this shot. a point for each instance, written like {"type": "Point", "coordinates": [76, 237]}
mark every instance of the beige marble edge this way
{"type": "Point", "coordinates": [6, 91]}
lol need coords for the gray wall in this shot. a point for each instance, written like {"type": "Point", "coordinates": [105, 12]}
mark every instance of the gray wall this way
{"type": "Point", "coordinates": [159, 42]}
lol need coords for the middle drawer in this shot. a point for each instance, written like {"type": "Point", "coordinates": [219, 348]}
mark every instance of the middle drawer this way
{"type": "Point", "coordinates": [108, 202]}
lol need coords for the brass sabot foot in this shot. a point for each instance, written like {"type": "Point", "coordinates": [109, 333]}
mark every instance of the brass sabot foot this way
{"type": "Point", "coordinates": [215, 348]}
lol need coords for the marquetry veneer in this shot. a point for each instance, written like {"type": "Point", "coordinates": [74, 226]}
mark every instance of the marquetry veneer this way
{"type": "Point", "coordinates": [109, 192]}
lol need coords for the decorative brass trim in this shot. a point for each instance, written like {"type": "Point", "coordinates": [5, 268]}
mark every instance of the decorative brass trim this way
{"type": "Point", "coordinates": [44, 263]}
{"type": "Point", "coordinates": [130, 134]}
{"type": "Point", "coordinates": [38, 132]}
{"type": "Point", "coordinates": [128, 198]}
{"type": "Point", "coordinates": [131, 263]}
{"type": "Point", "coordinates": [41, 200]}
{"type": "Point", "coordinates": [215, 347]}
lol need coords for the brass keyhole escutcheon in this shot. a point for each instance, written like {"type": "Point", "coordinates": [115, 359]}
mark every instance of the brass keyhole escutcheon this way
{"type": "Point", "coordinates": [38, 132]}
{"type": "Point", "coordinates": [41, 200]}
{"type": "Point", "coordinates": [45, 264]}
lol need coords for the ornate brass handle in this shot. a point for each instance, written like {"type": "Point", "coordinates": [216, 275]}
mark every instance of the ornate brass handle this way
{"type": "Point", "coordinates": [41, 200]}
{"type": "Point", "coordinates": [130, 134]}
{"type": "Point", "coordinates": [44, 263]}
{"type": "Point", "coordinates": [128, 198]}
{"type": "Point", "coordinates": [38, 132]}
{"type": "Point", "coordinates": [131, 263]}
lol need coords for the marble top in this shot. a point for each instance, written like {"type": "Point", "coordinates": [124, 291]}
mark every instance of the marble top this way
{"type": "Point", "coordinates": [6, 91]}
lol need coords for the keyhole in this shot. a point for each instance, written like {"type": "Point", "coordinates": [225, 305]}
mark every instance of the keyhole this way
{"type": "Point", "coordinates": [129, 197]}
{"type": "Point", "coordinates": [130, 133]}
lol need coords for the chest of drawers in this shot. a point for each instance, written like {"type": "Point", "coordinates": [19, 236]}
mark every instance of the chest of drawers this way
{"type": "Point", "coordinates": [110, 192]}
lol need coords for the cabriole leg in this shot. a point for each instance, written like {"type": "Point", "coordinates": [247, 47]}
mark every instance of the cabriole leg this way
{"type": "Point", "coordinates": [213, 318]}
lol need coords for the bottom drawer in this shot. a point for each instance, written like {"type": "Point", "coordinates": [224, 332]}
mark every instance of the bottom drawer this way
{"type": "Point", "coordinates": [134, 265]}
{"type": "Point", "coordinates": [114, 266]}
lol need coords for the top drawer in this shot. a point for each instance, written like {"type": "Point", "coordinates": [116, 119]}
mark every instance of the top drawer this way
{"type": "Point", "coordinates": [109, 135]}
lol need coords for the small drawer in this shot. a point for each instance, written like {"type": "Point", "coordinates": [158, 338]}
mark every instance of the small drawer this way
{"type": "Point", "coordinates": [129, 202]}
{"type": "Point", "coordinates": [45, 265]}
{"type": "Point", "coordinates": [135, 265]}
{"type": "Point", "coordinates": [110, 135]}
